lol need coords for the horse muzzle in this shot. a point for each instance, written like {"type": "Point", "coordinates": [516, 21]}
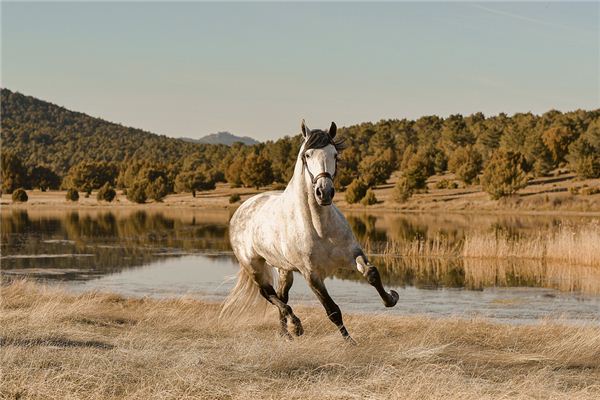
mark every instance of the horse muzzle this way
{"type": "Point", "coordinates": [324, 194]}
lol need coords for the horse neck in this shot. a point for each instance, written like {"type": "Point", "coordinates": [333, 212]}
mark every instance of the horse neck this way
{"type": "Point", "coordinates": [300, 195]}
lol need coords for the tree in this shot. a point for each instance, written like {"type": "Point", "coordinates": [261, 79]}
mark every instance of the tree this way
{"type": "Point", "coordinates": [13, 173]}
{"type": "Point", "coordinates": [504, 174]}
{"type": "Point", "coordinates": [257, 171]}
{"type": "Point", "coordinates": [557, 139]}
{"type": "Point", "coordinates": [157, 189]}
{"type": "Point", "coordinates": [43, 178]}
{"type": "Point", "coordinates": [402, 190]}
{"type": "Point", "coordinates": [192, 181]}
{"type": "Point", "coordinates": [356, 191]}
{"type": "Point", "coordinates": [375, 170]}
{"type": "Point", "coordinates": [465, 162]}
{"type": "Point", "coordinates": [584, 153]}
{"type": "Point", "coordinates": [89, 175]}
{"type": "Point", "coordinates": [233, 174]}
{"type": "Point", "coordinates": [419, 167]}
{"type": "Point", "coordinates": [137, 192]}
{"type": "Point", "coordinates": [106, 193]}
{"type": "Point", "coordinates": [455, 133]}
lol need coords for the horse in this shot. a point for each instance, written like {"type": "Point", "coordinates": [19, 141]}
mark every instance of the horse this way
{"type": "Point", "coordinates": [297, 230]}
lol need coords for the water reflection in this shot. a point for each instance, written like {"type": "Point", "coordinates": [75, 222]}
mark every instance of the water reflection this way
{"type": "Point", "coordinates": [116, 240]}
{"type": "Point", "coordinates": [82, 245]}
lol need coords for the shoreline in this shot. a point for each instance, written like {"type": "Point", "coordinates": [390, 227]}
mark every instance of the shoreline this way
{"type": "Point", "coordinates": [352, 210]}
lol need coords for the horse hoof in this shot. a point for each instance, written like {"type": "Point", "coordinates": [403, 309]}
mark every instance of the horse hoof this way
{"type": "Point", "coordinates": [394, 296]}
{"type": "Point", "coordinates": [298, 329]}
{"type": "Point", "coordinates": [350, 341]}
{"type": "Point", "coordinates": [286, 335]}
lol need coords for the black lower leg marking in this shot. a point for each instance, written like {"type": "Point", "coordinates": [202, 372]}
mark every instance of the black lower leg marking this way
{"type": "Point", "coordinates": [372, 275]}
{"type": "Point", "coordinates": [333, 310]}
{"type": "Point", "coordinates": [285, 311]}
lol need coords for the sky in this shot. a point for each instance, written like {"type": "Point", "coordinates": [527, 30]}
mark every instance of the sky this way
{"type": "Point", "coordinates": [256, 69]}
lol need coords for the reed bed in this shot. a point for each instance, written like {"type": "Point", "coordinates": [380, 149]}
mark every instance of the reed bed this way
{"type": "Point", "coordinates": [573, 245]}
{"type": "Point", "coordinates": [57, 345]}
{"type": "Point", "coordinates": [569, 244]}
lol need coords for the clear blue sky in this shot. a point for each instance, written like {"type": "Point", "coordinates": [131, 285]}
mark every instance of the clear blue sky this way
{"type": "Point", "coordinates": [189, 69]}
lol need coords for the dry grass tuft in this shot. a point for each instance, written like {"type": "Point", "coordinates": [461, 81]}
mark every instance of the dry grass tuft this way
{"type": "Point", "coordinates": [100, 346]}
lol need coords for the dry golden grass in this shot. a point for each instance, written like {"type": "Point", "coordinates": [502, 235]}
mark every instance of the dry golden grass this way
{"type": "Point", "coordinates": [573, 245]}
{"type": "Point", "coordinates": [100, 346]}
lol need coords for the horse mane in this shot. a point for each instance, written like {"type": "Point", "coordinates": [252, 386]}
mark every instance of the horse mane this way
{"type": "Point", "coordinates": [319, 139]}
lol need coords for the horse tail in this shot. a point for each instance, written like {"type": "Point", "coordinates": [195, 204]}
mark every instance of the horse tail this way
{"type": "Point", "coordinates": [245, 297]}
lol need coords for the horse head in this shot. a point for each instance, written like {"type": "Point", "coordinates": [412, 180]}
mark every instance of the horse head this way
{"type": "Point", "coordinates": [319, 154]}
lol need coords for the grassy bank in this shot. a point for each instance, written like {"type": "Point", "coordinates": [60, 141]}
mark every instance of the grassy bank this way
{"type": "Point", "coordinates": [97, 346]}
{"type": "Point", "coordinates": [549, 195]}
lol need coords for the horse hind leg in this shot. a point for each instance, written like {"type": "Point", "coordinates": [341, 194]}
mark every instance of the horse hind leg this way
{"type": "Point", "coordinates": [285, 281]}
{"type": "Point", "coordinates": [262, 276]}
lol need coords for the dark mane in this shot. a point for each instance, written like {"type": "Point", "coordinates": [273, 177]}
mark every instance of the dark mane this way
{"type": "Point", "coordinates": [319, 139]}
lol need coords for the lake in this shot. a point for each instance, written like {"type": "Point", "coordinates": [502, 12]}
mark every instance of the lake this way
{"type": "Point", "coordinates": [185, 252]}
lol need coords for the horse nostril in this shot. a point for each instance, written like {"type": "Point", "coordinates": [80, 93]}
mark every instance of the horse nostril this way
{"type": "Point", "coordinates": [319, 192]}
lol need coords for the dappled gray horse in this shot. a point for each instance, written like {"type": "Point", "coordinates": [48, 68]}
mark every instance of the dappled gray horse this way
{"type": "Point", "coordinates": [297, 230]}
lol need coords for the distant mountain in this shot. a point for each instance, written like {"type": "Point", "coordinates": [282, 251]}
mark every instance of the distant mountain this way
{"type": "Point", "coordinates": [225, 138]}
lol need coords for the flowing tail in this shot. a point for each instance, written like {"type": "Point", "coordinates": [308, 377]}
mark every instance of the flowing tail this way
{"type": "Point", "coordinates": [245, 297]}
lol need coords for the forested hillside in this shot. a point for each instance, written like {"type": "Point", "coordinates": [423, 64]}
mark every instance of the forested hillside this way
{"type": "Point", "coordinates": [47, 146]}
{"type": "Point", "coordinates": [46, 134]}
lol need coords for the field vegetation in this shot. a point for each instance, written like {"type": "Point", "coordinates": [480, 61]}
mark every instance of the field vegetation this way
{"type": "Point", "coordinates": [57, 345]}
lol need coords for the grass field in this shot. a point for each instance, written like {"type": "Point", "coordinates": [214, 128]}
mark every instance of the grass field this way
{"type": "Point", "coordinates": [101, 346]}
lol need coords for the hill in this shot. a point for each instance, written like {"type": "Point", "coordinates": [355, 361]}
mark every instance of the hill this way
{"type": "Point", "coordinates": [225, 138]}
{"type": "Point", "coordinates": [42, 133]}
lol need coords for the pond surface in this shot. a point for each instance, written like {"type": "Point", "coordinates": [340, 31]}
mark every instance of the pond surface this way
{"type": "Point", "coordinates": [186, 252]}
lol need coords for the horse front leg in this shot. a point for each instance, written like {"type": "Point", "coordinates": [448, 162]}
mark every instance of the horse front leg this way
{"type": "Point", "coordinates": [372, 275]}
{"type": "Point", "coordinates": [333, 310]}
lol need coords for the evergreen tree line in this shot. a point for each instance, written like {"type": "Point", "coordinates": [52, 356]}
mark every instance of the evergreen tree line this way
{"type": "Point", "coordinates": [49, 147]}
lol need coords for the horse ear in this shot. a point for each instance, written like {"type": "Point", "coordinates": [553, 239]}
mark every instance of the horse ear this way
{"type": "Point", "coordinates": [332, 130]}
{"type": "Point", "coordinates": [305, 130]}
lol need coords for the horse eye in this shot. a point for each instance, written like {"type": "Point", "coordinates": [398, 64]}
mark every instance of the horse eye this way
{"type": "Point", "coordinates": [307, 155]}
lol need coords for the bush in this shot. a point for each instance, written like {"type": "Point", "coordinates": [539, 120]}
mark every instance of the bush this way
{"type": "Point", "coordinates": [403, 190]}
{"type": "Point", "coordinates": [234, 198]}
{"type": "Point", "coordinates": [106, 193]}
{"type": "Point", "coordinates": [356, 191]}
{"type": "Point", "coordinates": [369, 198]}
{"type": "Point", "coordinates": [20, 196]}
{"type": "Point", "coordinates": [443, 184]}
{"type": "Point", "coordinates": [504, 174]}
{"type": "Point", "coordinates": [137, 192]}
{"type": "Point", "coordinates": [72, 195]}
